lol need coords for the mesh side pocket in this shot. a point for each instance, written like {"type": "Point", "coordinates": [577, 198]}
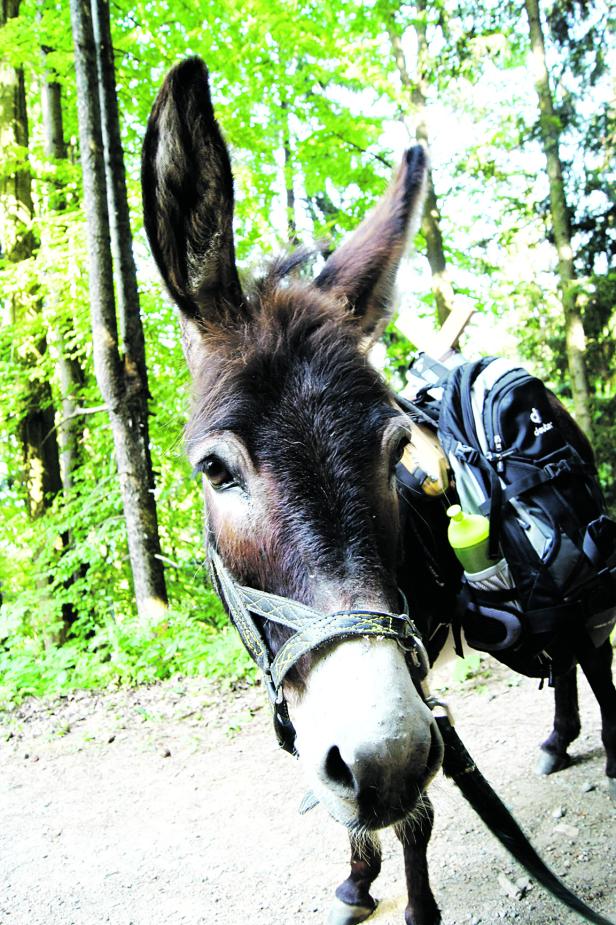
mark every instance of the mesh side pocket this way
{"type": "Point", "coordinates": [496, 577]}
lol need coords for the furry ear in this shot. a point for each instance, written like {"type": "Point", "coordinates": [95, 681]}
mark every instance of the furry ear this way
{"type": "Point", "coordinates": [363, 270]}
{"type": "Point", "coordinates": [188, 196]}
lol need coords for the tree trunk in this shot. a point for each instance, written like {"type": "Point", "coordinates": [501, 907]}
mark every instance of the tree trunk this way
{"type": "Point", "coordinates": [123, 384]}
{"type": "Point", "coordinates": [131, 329]}
{"type": "Point", "coordinates": [561, 223]}
{"type": "Point", "coordinates": [431, 222]}
{"type": "Point", "coordinates": [17, 242]}
{"type": "Point", "coordinates": [69, 372]}
{"type": "Point", "coordinates": [292, 236]}
{"type": "Point", "coordinates": [53, 128]}
{"type": "Point", "coordinates": [16, 239]}
{"type": "Point", "coordinates": [36, 428]}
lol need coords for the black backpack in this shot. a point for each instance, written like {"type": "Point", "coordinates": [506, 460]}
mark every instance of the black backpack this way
{"type": "Point", "coordinates": [513, 459]}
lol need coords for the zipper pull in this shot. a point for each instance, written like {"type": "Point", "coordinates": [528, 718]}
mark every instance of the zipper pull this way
{"type": "Point", "coordinates": [498, 446]}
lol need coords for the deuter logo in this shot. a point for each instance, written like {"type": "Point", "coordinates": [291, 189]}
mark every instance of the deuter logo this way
{"type": "Point", "coordinates": [541, 428]}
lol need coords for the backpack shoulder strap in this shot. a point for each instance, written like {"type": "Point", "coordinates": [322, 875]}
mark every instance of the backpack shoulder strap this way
{"type": "Point", "coordinates": [456, 420]}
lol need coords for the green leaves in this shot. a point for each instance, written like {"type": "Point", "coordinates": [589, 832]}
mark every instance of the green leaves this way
{"type": "Point", "coordinates": [121, 653]}
{"type": "Point", "coordinates": [319, 80]}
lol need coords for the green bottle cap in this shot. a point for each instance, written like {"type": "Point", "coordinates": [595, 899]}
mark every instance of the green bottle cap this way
{"type": "Point", "coordinates": [466, 529]}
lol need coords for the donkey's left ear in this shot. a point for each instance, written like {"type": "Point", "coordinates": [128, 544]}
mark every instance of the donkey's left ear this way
{"type": "Point", "coordinates": [363, 270]}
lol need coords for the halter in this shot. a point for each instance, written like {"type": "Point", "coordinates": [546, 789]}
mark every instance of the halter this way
{"type": "Point", "coordinates": [312, 629]}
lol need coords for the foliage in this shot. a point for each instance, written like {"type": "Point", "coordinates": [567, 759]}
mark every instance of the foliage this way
{"type": "Point", "coordinates": [311, 103]}
{"type": "Point", "coordinates": [120, 653]}
{"type": "Point", "coordinates": [471, 666]}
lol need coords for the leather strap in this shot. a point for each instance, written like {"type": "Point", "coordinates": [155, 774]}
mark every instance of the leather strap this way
{"type": "Point", "coordinates": [339, 625]}
{"type": "Point", "coordinates": [312, 629]}
{"type": "Point", "coordinates": [231, 597]}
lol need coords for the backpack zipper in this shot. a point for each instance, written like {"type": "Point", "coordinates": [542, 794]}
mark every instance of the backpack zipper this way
{"type": "Point", "coordinates": [499, 455]}
{"type": "Point", "coordinates": [516, 378]}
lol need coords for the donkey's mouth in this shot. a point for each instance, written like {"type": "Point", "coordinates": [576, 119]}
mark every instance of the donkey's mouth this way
{"type": "Point", "coordinates": [384, 801]}
{"type": "Point", "coordinates": [375, 812]}
{"type": "Point", "coordinates": [377, 817]}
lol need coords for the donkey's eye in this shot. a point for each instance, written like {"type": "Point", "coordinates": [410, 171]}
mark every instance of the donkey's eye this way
{"type": "Point", "coordinates": [399, 449]}
{"type": "Point", "coordinates": [216, 472]}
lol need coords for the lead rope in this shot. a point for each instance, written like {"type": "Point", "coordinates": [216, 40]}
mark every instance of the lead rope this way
{"type": "Point", "coordinates": [457, 763]}
{"type": "Point", "coordinates": [460, 767]}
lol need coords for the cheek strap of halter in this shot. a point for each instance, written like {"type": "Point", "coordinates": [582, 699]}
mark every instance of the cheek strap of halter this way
{"type": "Point", "coordinates": [312, 629]}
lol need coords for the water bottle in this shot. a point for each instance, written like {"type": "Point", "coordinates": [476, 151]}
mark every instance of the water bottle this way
{"type": "Point", "coordinates": [469, 536]}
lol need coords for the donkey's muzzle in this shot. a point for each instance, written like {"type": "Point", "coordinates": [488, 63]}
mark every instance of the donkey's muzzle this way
{"type": "Point", "coordinates": [382, 786]}
{"type": "Point", "coordinates": [366, 739]}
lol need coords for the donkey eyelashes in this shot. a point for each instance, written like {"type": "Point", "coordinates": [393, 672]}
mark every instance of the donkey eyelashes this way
{"type": "Point", "coordinates": [224, 460]}
{"type": "Point", "coordinates": [217, 472]}
{"type": "Point", "coordinates": [396, 455]}
{"type": "Point", "coordinates": [399, 449]}
{"type": "Point", "coordinates": [395, 441]}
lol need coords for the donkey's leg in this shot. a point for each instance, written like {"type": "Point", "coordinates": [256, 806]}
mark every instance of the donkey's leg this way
{"type": "Point", "coordinates": [597, 666]}
{"type": "Point", "coordinates": [554, 755]}
{"type": "Point", "coordinates": [414, 835]}
{"type": "Point", "coordinates": [353, 900]}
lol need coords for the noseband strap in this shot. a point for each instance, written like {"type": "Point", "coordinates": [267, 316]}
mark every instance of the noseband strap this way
{"type": "Point", "coordinates": [312, 628]}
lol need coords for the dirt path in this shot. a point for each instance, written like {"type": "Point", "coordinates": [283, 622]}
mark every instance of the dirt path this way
{"type": "Point", "coordinates": [173, 804]}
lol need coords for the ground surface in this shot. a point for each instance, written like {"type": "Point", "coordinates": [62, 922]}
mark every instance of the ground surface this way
{"type": "Point", "coordinates": [172, 805]}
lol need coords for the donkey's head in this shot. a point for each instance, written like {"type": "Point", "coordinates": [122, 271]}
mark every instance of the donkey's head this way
{"type": "Point", "coordinates": [297, 437]}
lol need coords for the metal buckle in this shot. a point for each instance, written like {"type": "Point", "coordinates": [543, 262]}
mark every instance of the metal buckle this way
{"type": "Point", "coordinates": [557, 468]}
{"type": "Point", "coordinates": [412, 644]}
{"type": "Point", "coordinates": [439, 708]}
{"type": "Point", "coordinates": [274, 695]}
{"type": "Point", "coordinates": [465, 453]}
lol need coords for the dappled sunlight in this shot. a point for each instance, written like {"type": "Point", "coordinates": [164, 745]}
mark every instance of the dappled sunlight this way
{"type": "Point", "coordinates": [153, 610]}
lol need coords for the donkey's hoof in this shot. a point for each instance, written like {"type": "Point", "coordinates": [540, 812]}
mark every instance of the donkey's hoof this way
{"type": "Point", "coordinates": [549, 763]}
{"type": "Point", "coordinates": [611, 788]}
{"type": "Point", "coordinates": [347, 914]}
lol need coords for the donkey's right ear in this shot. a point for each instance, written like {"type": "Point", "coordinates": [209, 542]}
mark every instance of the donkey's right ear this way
{"type": "Point", "coordinates": [188, 196]}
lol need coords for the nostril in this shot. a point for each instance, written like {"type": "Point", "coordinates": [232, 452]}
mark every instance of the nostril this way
{"type": "Point", "coordinates": [337, 770]}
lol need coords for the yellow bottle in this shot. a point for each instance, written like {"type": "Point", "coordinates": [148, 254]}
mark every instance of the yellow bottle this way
{"type": "Point", "coordinates": [469, 538]}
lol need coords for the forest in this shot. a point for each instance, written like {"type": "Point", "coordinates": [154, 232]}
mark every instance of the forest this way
{"type": "Point", "coordinates": [102, 572]}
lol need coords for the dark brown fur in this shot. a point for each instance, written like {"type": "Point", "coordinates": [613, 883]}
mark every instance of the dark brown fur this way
{"type": "Point", "coordinates": [283, 372]}
{"type": "Point", "coordinates": [283, 368]}
{"type": "Point", "coordinates": [291, 381]}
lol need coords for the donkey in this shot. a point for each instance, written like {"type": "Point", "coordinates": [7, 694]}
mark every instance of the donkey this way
{"type": "Point", "coordinates": [298, 438]}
